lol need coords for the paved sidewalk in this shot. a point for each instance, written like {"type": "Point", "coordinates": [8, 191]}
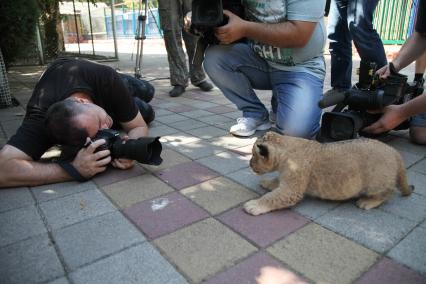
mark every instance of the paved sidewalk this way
{"type": "Point", "coordinates": [182, 222]}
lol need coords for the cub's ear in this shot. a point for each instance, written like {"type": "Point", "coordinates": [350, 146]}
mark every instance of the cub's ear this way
{"type": "Point", "coordinates": [263, 150]}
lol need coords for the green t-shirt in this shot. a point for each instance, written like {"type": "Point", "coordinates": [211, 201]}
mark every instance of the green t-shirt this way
{"type": "Point", "coordinates": [309, 58]}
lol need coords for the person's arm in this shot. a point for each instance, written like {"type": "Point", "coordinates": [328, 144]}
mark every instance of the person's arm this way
{"type": "Point", "coordinates": [393, 115]}
{"type": "Point", "coordinates": [19, 169]}
{"type": "Point", "coordinates": [413, 48]}
{"type": "Point", "coordinates": [285, 34]}
{"type": "Point", "coordinates": [136, 128]}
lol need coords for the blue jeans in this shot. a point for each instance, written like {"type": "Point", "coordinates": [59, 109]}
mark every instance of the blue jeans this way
{"type": "Point", "coordinates": [236, 70]}
{"type": "Point", "coordinates": [351, 20]}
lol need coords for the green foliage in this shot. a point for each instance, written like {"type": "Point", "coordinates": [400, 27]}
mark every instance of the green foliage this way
{"type": "Point", "coordinates": [17, 27]}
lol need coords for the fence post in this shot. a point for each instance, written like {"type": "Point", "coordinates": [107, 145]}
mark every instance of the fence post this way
{"type": "Point", "coordinates": [5, 97]}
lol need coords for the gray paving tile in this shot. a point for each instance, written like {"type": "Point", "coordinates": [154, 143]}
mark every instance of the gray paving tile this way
{"type": "Point", "coordinates": [112, 175]}
{"type": "Point", "coordinates": [12, 113]}
{"type": "Point", "coordinates": [250, 180]}
{"type": "Point", "coordinates": [179, 139]}
{"type": "Point", "coordinates": [214, 119]}
{"type": "Point", "coordinates": [19, 224]}
{"type": "Point", "coordinates": [187, 124]}
{"type": "Point", "coordinates": [128, 192]}
{"type": "Point", "coordinates": [167, 119]}
{"type": "Point", "coordinates": [411, 207]}
{"type": "Point", "coordinates": [12, 198]}
{"type": "Point", "coordinates": [61, 280]}
{"type": "Point", "coordinates": [88, 241]}
{"type": "Point", "coordinates": [265, 229]}
{"type": "Point", "coordinates": [419, 182]}
{"type": "Point", "coordinates": [218, 194]}
{"type": "Point", "coordinates": [420, 167]}
{"type": "Point", "coordinates": [170, 159]}
{"type": "Point", "coordinates": [232, 142]}
{"type": "Point", "coordinates": [163, 215]}
{"type": "Point", "coordinates": [258, 268]}
{"type": "Point", "coordinates": [75, 208]}
{"type": "Point", "coordinates": [323, 256]}
{"type": "Point", "coordinates": [196, 113]}
{"type": "Point", "coordinates": [313, 208]}
{"type": "Point", "coordinates": [139, 265]}
{"type": "Point", "coordinates": [162, 130]}
{"type": "Point", "coordinates": [410, 158]}
{"type": "Point", "coordinates": [403, 144]}
{"type": "Point", "coordinates": [30, 261]}
{"type": "Point", "coordinates": [180, 109]}
{"type": "Point", "coordinates": [207, 132]}
{"type": "Point", "coordinates": [204, 248]}
{"type": "Point", "coordinates": [225, 162]}
{"type": "Point", "coordinates": [411, 250]}
{"type": "Point", "coordinates": [162, 112]}
{"type": "Point", "coordinates": [389, 272]}
{"type": "Point", "coordinates": [198, 149]}
{"type": "Point", "coordinates": [57, 190]}
{"type": "Point", "coordinates": [374, 229]}
{"type": "Point", "coordinates": [186, 174]}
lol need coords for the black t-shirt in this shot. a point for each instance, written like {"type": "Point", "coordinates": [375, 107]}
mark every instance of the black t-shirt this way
{"type": "Point", "coordinates": [421, 17]}
{"type": "Point", "coordinates": [60, 80]}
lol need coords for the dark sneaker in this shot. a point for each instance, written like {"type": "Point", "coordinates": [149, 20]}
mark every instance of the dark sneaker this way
{"type": "Point", "coordinates": [205, 86]}
{"type": "Point", "coordinates": [177, 91]}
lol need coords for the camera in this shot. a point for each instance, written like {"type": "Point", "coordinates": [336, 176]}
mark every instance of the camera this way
{"type": "Point", "coordinates": [145, 150]}
{"type": "Point", "coordinates": [350, 115]}
{"type": "Point", "coordinates": [207, 15]}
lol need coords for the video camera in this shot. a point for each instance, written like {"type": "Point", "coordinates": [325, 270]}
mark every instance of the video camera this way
{"type": "Point", "coordinates": [207, 15]}
{"type": "Point", "coordinates": [350, 115]}
{"type": "Point", "coordinates": [145, 150]}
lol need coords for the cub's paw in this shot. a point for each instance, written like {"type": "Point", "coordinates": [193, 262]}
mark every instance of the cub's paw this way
{"type": "Point", "coordinates": [254, 207]}
{"type": "Point", "coordinates": [369, 203]}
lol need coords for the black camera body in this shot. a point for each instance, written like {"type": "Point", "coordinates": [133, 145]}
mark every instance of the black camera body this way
{"type": "Point", "coordinates": [208, 14]}
{"type": "Point", "coordinates": [145, 150]}
{"type": "Point", "coordinates": [350, 115]}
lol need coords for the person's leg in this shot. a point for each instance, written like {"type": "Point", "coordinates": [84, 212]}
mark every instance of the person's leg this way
{"type": "Point", "coordinates": [145, 109]}
{"type": "Point", "coordinates": [171, 24]}
{"type": "Point", "coordinates": [418, 129]}
{"type": "Point", "coordinates": [420, 68]}
{"type": "Point", "coordinates": [138, 87]}
{"type": "Point", "coordinates": [366, 39]}
{"type": "Point", "coordinates": [297, 95]}
{"type": "Point", "coordinates": [418, 122]}
{"type": "Point", "coordinates": [340, 45]}
{"type": "Point", "coordinates": [196, 71]}
{"type": "Point", "coordinates": [236, 70]}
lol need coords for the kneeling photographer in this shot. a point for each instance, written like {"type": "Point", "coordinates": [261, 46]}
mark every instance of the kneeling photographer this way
{"type": "Point", "coordinates": [71, 102]}
{"type": "Point", "coordinates": [414, 47]}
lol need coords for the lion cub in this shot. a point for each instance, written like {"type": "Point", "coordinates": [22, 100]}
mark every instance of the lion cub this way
{"type": "Point", "coordinates": [362, 168]}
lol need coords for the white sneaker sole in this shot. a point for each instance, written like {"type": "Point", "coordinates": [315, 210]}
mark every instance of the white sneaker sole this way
{"type": "Point", "coordinates": [264, 126]}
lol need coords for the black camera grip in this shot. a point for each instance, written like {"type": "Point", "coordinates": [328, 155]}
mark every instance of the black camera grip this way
{"type": "Point", "coordinates": [332, 100]}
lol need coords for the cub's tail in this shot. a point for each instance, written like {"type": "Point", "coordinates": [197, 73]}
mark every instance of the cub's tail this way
{"type": "Point", "coordinates": [402, 182]}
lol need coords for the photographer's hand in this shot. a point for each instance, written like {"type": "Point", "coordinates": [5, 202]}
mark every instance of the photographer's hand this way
{"type": "Point", "coordinates": [232, 31]}
{"type": "Point", "coordinates": [88, 163]}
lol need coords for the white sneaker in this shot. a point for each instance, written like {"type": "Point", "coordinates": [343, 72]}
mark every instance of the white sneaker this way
{"type": "Point", "coordinates": [272, 116]}
{"type": "Point", "coordinates": [247, 126]}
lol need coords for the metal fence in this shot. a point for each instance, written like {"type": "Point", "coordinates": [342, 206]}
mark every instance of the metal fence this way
{"type": "Point", "coordinates": [393, 20]}
{"type": "Point", "coordinates": [5, 97]}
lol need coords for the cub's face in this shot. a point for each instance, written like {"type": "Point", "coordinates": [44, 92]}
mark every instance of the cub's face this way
{"type": "Point", "coordinates": [262, 160]}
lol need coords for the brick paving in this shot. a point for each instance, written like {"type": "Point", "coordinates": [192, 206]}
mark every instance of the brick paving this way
{"type": "Point", "coordinates": [182, 221]}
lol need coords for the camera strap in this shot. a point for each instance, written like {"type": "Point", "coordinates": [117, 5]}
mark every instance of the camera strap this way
{"type": "Point", "coordinates": [66, 166]}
